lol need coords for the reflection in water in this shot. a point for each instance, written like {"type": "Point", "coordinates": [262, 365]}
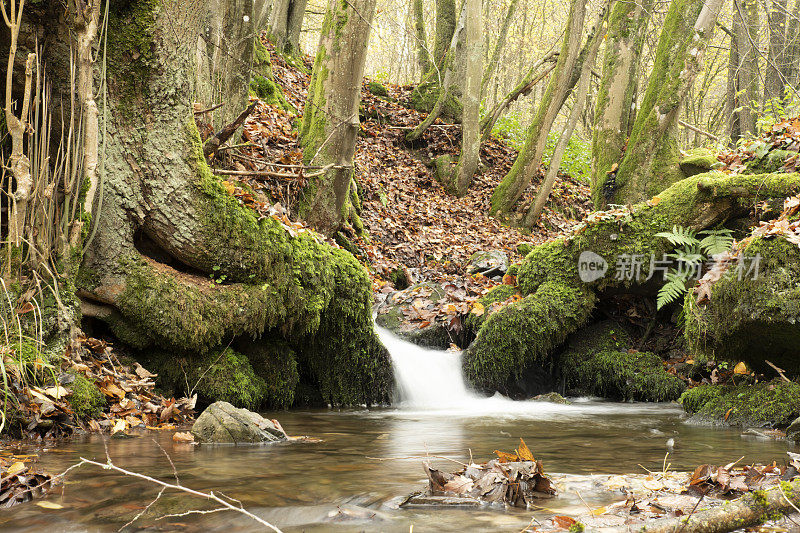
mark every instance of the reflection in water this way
{"type": "Point", "coordinates": [364, 464]}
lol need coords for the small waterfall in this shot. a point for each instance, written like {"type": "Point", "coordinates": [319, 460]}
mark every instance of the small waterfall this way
{"type": "Point", "coordinates": [427, 379]}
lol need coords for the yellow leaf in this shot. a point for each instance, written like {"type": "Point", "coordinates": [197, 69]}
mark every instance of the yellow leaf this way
{"type": "Point", "coordinates": [477, 309]}
{"type": "Point", "coordinates": [524, 452]}
{"type": "Point", "coordinates": [49, 505]}
{"type": "Point", "coordinates": [16, 468]}
{"type": "Point", "coordinates": [740, 369]}
{"type": "Point", "coordinates": [600, 511]}
{"type": "Point", "coordinates": [56, 392]}
{"type": "Point", "coordinates": [119, 425]}
{"type": "Point", "coordinates": [506, 457]}
{"type": "Point", "coordinates": [229, 187]}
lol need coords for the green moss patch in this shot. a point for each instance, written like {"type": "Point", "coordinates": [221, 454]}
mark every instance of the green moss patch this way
{"type": "Point", "coordinates": [773, 404]}
{"type": "Point", "coordinates": [86, 399]}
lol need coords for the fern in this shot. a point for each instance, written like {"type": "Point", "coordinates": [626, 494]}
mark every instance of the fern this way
{"type": "Point", "coordinates": [673, 289]}
{"type": "Point", "coordinates": [716, 241]}
{"type": "Point", "coordinates": [680, 236]}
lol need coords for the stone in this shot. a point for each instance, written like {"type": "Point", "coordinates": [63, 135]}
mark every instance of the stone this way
{"type": "Point", "coordinates": [222, 423]}
{"type": "Point", "coordinates": [391, 316]}
{"type": "Point", "coordinates": [697, 161]}
{"type": "Point", "coordinates": [552, 397]}
{"type": "Point", "coordinates": [489, 263]}
{"type": "Point", "coordinates": [793, 431]}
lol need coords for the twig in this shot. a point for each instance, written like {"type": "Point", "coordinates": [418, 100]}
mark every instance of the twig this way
{"type": "Point", "coordinates": [698, 130]}
{"type": "Point", "coordinates": [213, 144]}
{"type": "Point", "coordinates": [209, 495]}
{"type": "Point", "coordinates": [149, 505]}
{"type": "Point", "coordinates": [584, 501]}
{"type": "Point", "coordinates": [271, 174]}
{"type": "Point", "coordinates": [779, 371]}
{"type": "Point", "coordinates": [210, 109]}
{"type": "Point", "coordinates": [421, 457]}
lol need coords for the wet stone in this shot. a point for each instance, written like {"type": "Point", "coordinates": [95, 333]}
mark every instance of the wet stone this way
{"type": "Point", "coordinates": [222, 423]}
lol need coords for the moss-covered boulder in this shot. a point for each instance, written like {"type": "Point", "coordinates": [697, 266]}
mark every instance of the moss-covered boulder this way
{"type": "Point", "coordinates": [697, 161]}
{"type": "Point", "coordinates": [767, 404]}
{"type": "Point", "coordinates": [400, 307]}
{"type": "Point", "coordinates": [85, 398]}
{"type": "Point", "coordinates": [772, 161]}
{"type": "Point", "coordinates": [755, 318]}
{"type": "Point", "coordinates": [377, 89]}
{"type": "Point", "coordinates": [490, 303]}
{"type": "Point", "coordinates": [598, 362]}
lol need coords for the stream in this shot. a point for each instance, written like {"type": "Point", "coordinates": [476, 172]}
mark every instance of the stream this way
{"type": "Point", "coordinates": [369, 460]}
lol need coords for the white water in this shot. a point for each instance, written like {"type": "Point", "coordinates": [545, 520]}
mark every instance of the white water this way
{"type": "Point", "coordinates": [431, 382]}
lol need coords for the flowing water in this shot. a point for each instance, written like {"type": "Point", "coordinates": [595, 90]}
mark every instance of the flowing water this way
{"type": "Point", "coordinates": [370, 459]}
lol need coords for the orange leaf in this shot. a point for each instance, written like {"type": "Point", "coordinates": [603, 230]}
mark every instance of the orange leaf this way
{"type": "Point", "coordinates": [524, 452]}
{"type": "Point", "coordinates": [564, 521]}
{"type": "Point", "coordinates": [506, 457]}
{"type": "Point", "coordinates": [740, 369]}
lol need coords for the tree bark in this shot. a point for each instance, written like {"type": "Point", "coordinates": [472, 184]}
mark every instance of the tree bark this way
{"type": "Point", "coordinates": [423, 54]}
{"type": "Point", "coordinates": [527, 164]}
{"type": "Point", "coordinates": [330, 121]}
{"type": "Point", "coordinates": [745, 12]}
{"type": "Point", "coordinates": [650, 163]}
{"type": "Point", "coordinates": [471, 100]}
{"type": "Point", "coordinates": [533, 214]}
{"type": "Point", "coordinates": [792, 68]}
{"type": "Point", "coordinates": [774, 81]}
{"type": "Point", "coordinates": [445, 28]}
{"type": "Point", "coordinates": [616, 102]}
{"type": "Point", "coordinates": [286, 22]}
{"type": "Point", "coordinates": [491, 67]}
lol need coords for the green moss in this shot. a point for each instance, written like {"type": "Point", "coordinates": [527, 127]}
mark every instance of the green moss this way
{"type": "Point", "coordinates": [425, 95]}
{"type": "Point", "coordinates": [501, 293]}
{"type": "Point", "coordinates": [524, 333]}
{"type": "Point", "coordinates": [749, 318]}
{"type": "Point", "coordinates": [773, 161]}
{"type": "Point", "coordinates": [262, 84]}
{"type": "Point", "coordinates": [377, 89]}
{"type": "Point", "coordinates": [774, 404]}
{"type": "Point", "coordinates": [86, 399]}
{"type": "Point", "coordinates": [697, 161]}
{"type": "Point", "coordinates": [276, 363]}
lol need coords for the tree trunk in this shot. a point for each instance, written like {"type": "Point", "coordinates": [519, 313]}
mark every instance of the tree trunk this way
{"type": "Point", "coordinates": [445, 28]}
{"type": "Point", "coordinates": [168, 224]}
{"type": "Point", "coordinates": [499, 45]}
{"type": "Point", "coordinates": [423, 54]}
{"type": "Point", "coordinates": [616, 101]}
{"type": "Point", "coordinates": [330, 121]}
{"type": "Point", "coordinates": [471, 100]}
{"type": "Point", "coordinates": [261, 14]}
{"type": "Point", "coordinates": [650, 163]}
{"type": "Point", "coordinates": [774, 81]}
{"type": "Point", "coordinates": [792, 68]}
{"type": "Point", "coordinates": [527, 164]}
{"type": "Point", "coordinates": [745, 13]}
{"type": "Point", "coordinates": [732, 128]}
{"type": "Point", "coordinates": [533, 214]}
{"type": "Point", "coordinates": [286, 21]}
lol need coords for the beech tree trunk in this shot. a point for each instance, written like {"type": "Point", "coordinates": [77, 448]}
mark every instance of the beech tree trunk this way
{"type": "Point", "coordinates": [650, 163]}
{"type": "Point", "coordinates": [792, 68]}
{"type": "Point", "coordinates": [616, 98]}
{"type": "Point", "coordinates": [471, 100]}
{"type": "Point", "coordinates": [286, 21]}
{"type": "Point", "coordinates": [775, 78]}
{"type": "Point", "coordinates": [745, 14]}
{"type": "Point", "coordinates": [499, 45]}
{"type": "Point", "coordinates": [330, 121]}
{"type": "Point", "coordinates": [168, 224]}
{"type": "Point", "coordinates": [445, 27]}
{"type": "Point", "coordinates": [529, 160]}
{"type": "Point", "coordinates": [423, 54]}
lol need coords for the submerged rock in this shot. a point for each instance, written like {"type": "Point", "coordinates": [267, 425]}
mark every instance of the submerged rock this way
{"type": "Point", "coordinates": [222, 423]}
{"type": "Point", "coordinates": [552, 397]}
{"type": "Point", "coordinates": [767, 404]}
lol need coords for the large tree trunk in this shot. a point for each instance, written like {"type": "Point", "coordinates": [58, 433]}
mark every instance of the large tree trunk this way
{"type": "Point", "coordinates": [461, 178]}
{"type": "Point", "coordinates": [330, 121]}
{"type": "Point", "coordinates": [774, 81]}
{"type": "Point", "coordinates": [792, 65]}
{"type": "Point", "coordinates": [732, 128]}
{"type": "Point", "coordinates": [527, 164]}
{"type": "Point", "coordinates": [650, 163]}
{"type": "Point", "coordinates": [167, 223]}
{"type": "Point", "coordinates": [491, 67]}
{"type": "Point", "coordinates": [423, 54]}
{"type": "Point", "coordinates": [745, 13]}
{"type": "Point", "coordinates": [286, 21]}
{"type": "Point", "coordinates": [616, 104]}
{"type": "Point", "coordinates": [445, 28]}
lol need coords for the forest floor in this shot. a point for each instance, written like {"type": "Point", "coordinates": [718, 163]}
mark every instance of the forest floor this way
{"type": "Point", "coordinates": [413, 227]}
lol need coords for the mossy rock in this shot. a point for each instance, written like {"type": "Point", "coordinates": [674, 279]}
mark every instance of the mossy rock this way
{"type": "Point", "coordinates": [697, 161]}
{"type": "Point", "coordinates": [773, 161]}
{"type": "Point", "coordinates": [752, 319]}
{"type": "Point", "coordinates": [501, 293]}
{"type": "Point", "coordinates": [223, 375]}
{"type": "Point", "coordinates": [377, 89]}
{"type": "Point", "coordinates": [598, 362]}
{"type": "Point", "coordinates": [86, 399]}
{"type": "Point", "coordinates": [766, 404]}
{"type": "Point", "coordinates": [391, 316]}
{"type": "Point", "coordinates": [275, 362]}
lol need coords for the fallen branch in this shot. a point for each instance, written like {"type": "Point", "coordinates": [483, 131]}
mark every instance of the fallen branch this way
{"type": "Point", "coordinates": [698, 130]}
{"type": "Point", "coordinates": [108, 465]}
{"type": "Point", "coordinates": [749, 510]}
{"type": "Point", "coordinates": [780, 371]}
{"type": "Point", "coordinates": [272, 174]}
{"type": "Point", "coordinates": [221, 137]}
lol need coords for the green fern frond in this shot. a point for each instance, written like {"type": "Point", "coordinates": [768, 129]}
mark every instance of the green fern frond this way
{"type": "Point", "coordinates": [674, 289]}
{"type": "Point", "coordinates": [716, 241]}
{"type": "Point", "coordinates": [680, 236]}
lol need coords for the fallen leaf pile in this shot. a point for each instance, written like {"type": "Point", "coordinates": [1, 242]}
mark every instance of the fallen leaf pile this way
{"type": "Point", "coordinates": [784, 135]}
{"type": "Point", "coordinates": [515, 479]}
{"type": "Point", "coordinates": [43, 399]}
{"type": "Point", "coordinates": [412, 224]}
{"type": "Point", "coordinates": [730, 480]}
{"type": "Point", "coordinates": [20, 482]}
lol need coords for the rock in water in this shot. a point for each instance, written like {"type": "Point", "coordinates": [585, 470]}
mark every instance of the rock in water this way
{"type": "Point", "coordinates": [793, 431]}
{"type": "Point", "coordinates": [222, 423]}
